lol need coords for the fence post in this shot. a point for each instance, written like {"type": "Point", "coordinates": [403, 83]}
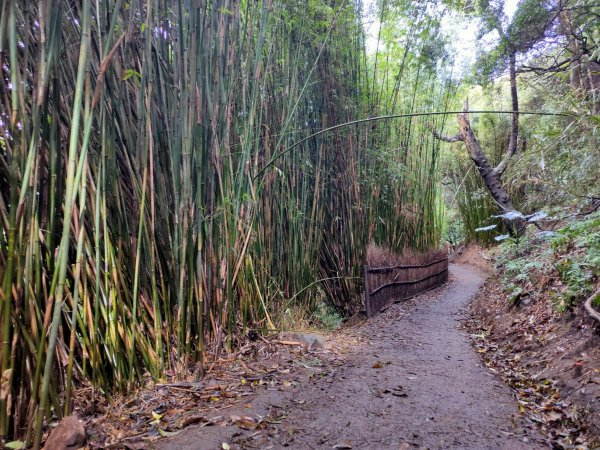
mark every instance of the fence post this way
{"type": "Point", "coordinates": [367, 299]}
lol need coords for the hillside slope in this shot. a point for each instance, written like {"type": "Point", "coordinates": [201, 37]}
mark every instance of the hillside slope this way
{"type": "Point", "coordinates": [530, 325]}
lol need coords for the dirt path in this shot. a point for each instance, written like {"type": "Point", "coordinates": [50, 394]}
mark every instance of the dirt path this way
{"type": "Point", "coordinates": [408, 378]}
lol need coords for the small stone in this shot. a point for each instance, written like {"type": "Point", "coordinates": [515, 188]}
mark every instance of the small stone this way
{"type": "Point", "coordinates": [312, 341]}
{"type": "Point", "coordinates": [69, 434]}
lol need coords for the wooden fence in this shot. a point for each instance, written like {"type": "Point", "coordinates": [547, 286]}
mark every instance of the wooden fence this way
{"type": "Point", "coordinates": [387, 285]}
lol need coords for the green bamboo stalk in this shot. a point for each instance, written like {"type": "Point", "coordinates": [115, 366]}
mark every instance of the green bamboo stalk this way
{"type": "Point", "coordinates": [65, 240]}
{"type": "Point", "coordinates": [163, 168]}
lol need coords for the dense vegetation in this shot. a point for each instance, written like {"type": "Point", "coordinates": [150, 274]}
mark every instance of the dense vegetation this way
{"type": "Point", "coordinates": [153, 202]}
{"type": "Point", "coordinates": [164, 185]}
{"type": "Point", "coordinates": [554, 47]}
{"type": "Point", "coordinates": [562, 265]}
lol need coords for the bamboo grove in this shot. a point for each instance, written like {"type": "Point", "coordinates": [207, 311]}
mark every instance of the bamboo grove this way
{"type": "Point", "coordinates": [139, 234]}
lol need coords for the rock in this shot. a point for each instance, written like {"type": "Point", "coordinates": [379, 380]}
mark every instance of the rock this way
{"type": "Point", "coordinates": [69, 434]}
{"type": "Point", "coordinates": [312, 341]}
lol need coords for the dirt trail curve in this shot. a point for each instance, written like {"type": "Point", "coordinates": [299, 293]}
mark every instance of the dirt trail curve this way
{"type": "Point", "coordinates": [410, 379]}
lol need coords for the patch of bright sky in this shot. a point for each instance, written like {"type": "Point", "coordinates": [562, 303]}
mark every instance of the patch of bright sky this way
{"type": "Point", "coordinates": [461, 31]}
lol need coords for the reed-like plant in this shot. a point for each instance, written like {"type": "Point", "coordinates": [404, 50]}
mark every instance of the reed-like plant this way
{"type": "Point", "coordinates": [149, 213]}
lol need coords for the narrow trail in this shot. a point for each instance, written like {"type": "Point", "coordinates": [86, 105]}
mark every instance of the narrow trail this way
{"type": "Point", "coordinates": [409, 379]}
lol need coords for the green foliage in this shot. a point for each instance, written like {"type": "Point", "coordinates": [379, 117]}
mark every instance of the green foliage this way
{"type": "Point", "coordinates": [569, 261]}
{"type": "Point", "coordinates": [529, 24]}
{"type": "Point", "coordinates": [160, 214]}
{"type": "Point", "coordinates": [561, 164]}
{"type": "Point", "coordinates": [327, 317]}
{"type": "Point", "coordinates": [465, 193]}
{"type": "Point", "coordinates": [454, 231]}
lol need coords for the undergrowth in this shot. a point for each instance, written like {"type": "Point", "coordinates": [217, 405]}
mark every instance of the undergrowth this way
{"type": "Point", "coordinates": [298, 317]}
{"type": "Point", "coordinates": [563, 265]}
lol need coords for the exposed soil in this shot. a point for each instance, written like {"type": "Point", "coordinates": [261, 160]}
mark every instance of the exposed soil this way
{"type": "Point", "coordinates": [551, 359]}
{"type": "Point", "coordinates": [473, 255]}
{"type": "Point", "coordinates": [408, 378]}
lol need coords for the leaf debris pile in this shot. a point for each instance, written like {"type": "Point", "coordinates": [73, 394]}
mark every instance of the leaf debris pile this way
{"type": "Point", "coordinates": [229, 385]}
{"type": "Point", "coordinates": [551, 361]}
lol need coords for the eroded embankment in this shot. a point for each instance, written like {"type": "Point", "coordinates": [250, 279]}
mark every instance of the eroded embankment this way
{"type": "Point", "coordinates": [551, 359]}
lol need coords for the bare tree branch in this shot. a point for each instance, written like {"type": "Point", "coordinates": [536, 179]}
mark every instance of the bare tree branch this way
{"type": "Point", "coordinates": [560, 66]}
{"type": "Point", "coordinates": [442, 137]}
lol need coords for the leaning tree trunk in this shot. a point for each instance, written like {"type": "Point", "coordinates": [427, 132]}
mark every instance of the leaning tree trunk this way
{"type": "Point", "coordinates": [490, 176]}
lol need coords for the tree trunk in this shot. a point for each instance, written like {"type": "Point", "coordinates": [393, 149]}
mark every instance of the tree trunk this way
{"type": "Point", "coordinates": [491, 178]}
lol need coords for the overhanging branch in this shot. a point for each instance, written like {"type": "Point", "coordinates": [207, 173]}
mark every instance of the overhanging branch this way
{"type": "Point", "coordinates": [397, 116]}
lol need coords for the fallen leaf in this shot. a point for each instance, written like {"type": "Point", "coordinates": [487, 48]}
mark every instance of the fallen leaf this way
{"type": "Point", "coordinates": [247, 423]}
{"type": "Point", "coordinates": [378, 365]}
{"type": "Point", "coordinates": [191, 420]}
{"type": "Point", "coordinates": [16, 445]}
{"type": "Point", "coordinates": [553, 416]}
{"type": "Point", "coordinates": [168, 433]}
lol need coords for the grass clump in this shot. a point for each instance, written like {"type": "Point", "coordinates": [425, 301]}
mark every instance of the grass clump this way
{"type": "Point", "coordinates": [318, 317]}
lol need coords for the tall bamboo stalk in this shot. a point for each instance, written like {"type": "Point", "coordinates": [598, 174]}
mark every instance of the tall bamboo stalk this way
{"type": "Point", "coordinates": [135, 233]}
